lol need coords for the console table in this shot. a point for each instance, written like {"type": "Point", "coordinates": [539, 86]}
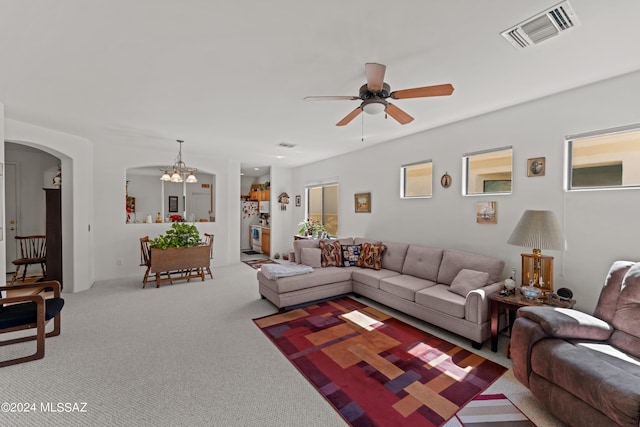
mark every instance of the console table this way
{"type": "Point", "coordinates": [512, 303]}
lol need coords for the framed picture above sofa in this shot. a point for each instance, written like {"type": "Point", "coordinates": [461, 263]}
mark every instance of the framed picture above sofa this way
{"type": "Point", "coordinates": [362, 202]}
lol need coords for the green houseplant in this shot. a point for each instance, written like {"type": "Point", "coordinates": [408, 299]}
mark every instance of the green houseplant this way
{"type": "Point", "coordinates": [179, 252]}
{"type": "Point", "coordinates": [180, 235]}
{"type": "Point", "coordinates": [311, 227]}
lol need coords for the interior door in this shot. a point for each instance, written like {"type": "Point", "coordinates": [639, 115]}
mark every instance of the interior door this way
{"type": "Point", "coordinates": [11, 218]}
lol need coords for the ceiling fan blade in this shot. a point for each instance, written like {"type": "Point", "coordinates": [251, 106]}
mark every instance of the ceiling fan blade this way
{"type": "Point", "coordinates": [330, 98]}
{"type": "Point", "coordinates": [375, 76]}
{"type": "Point", "coordinates": [352, 115]}
{"type": "Point", "coordinates": [400, 115]}
{"type": "Point", "coordinates": [421, 92]}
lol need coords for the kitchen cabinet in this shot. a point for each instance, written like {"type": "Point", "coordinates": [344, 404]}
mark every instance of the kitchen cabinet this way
{"type": "Point", "coordinates": [266, 241]}
{"type": "Point", "coordinates": [260, 195]}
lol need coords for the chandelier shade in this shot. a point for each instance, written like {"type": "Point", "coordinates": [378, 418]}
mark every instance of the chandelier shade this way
{"type": "Point", "coordinates": [179, 172]}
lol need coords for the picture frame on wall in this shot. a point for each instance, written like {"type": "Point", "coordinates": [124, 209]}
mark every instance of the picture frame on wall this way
{"type": "Point", "coordinates": [298, 200]}
{"type": "Point", "coordinates": [173, 203]}
{"type": "Point", "coordinates": [487, 212]}
{"type": "Point", "coordinates": [536, 166]}
{"type": "Point", "coordinates": [362, 202]}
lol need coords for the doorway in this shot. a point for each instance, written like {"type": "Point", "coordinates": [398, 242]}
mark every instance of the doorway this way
{"type": "Point", "coordinates": [27, 171]}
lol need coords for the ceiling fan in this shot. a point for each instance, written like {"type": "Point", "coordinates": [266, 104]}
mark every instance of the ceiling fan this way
{"type": "Point", "coordinates": [375, 92]}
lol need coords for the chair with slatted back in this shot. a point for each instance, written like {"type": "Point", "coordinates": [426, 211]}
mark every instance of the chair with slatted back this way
{"type": "Point", "coordinates": [145, 258]}
{"type": "Point", "coordinates": [208, 241]}
{"type": "Point", "coordinates": [33, 250]}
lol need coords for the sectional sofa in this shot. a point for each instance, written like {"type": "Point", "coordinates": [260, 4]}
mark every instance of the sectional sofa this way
{"type": "Point", "coordinates": [444, 287]}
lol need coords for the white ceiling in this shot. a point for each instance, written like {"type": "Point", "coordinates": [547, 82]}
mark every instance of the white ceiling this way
{"type": "Point", "coordinates": [229, 77]}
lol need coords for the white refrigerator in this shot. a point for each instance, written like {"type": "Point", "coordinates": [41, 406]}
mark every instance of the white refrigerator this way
{"type": "Point", "coordinates": [248, 217]}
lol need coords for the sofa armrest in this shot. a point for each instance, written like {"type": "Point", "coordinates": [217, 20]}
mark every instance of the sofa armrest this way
{"type": "Point", "coordinates": [524, 335]}
{"type": "Point", "coordinates": [476, 307]}
{"type": "Point", "coordinates": [567, 323]}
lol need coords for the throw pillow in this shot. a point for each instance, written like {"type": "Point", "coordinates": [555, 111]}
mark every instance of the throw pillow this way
{"type": "Point", "coordinates": [311, 257]}
{"type": "Point", "coordinates": [350, 254]}
{"type": "Point", "coordinates": [468, 280]}
{"type": "Point", "coordinates": [330, 253]}
{"type": "Point", "coordinates": [371, 256]}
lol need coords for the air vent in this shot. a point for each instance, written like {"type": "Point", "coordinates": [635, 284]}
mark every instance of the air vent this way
{"type": "Point", "coordinates": [286, 145]}
{"type": "Point", "coordinates": [542, 27]}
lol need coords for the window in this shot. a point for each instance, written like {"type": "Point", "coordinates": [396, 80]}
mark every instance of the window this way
{"type": "Point", "coordinates": [322, 206]}
{"type": "Point", "coordinates": [416, 180]}
{"type": "Point", "coordinates": [488, 172]}
{"type": "Point", "coordinates": [605, 159]}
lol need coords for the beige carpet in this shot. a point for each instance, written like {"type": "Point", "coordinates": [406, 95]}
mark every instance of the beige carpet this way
{"type": "Point", "coordinates": [183, 354]}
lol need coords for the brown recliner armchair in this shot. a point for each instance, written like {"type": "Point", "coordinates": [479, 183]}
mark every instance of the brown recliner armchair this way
{"type": "Point", "coordinates": [585, 369]}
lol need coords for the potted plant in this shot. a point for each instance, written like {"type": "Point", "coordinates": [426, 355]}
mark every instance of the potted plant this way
{"type": "Point", "coordinates": [180, 250]}
{"type": "Point", "coordinates": [311, 227]}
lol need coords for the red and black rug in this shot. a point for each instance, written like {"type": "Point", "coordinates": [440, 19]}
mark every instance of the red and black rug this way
{"type": "Point", "coordinates": [376, 370]}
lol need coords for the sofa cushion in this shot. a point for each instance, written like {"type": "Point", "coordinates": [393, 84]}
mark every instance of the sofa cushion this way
{"type": "Point", "coordinates": [319, 277]}
{"type": "Point", "coordinates": [440, 299]}
{"type": "Point", "coordinates": [454, 261]}
{"type": "Point", "coordinates": [626, 319]}
{"type": "Point", "coordinates": [394, 254]}
{"type": "Point", "coordinates": [608, 301]}
{"type": "Point", "coordinates": [350, 254]}
{"type": "Point", "coordinates": [303, 243]}
{"type": "Point", "coordinates": [422, 262]}
{"type": "Point", "coordinates": [404, 286]}
{"type": "Point", "coordinates": [596, 373]}
{"type": "Point", "coordinates": [370, 256]}
{"type": "Point", "coordinates": [311, 257]}
{"type": "Point", "coordinates": [330, 253]}
{"type": "Point", "coordinates": [346, 240]}
{"type": "Point", "coordinates": [372, 277]}
{"type": "Point", "coordinates": [362, 241]}
{"type": "Point", "coordinates": [467, 280]}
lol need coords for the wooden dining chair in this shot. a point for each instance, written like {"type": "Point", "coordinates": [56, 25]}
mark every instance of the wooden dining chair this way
{"type": "Point", "coordinates": [29, 308]}
{"type": "Point", "coordinates": [33, 250]}
{"type": "Point", "coordinates": [208, 241]}
{"type": "Point", "coordinates": [145, 258]}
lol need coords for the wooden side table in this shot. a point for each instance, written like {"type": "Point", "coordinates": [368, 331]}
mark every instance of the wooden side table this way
{"type": "Point", "coordinates": [512, 303]}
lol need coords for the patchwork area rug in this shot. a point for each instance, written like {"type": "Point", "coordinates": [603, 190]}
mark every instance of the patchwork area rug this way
{"type": "Point", "coordinates": [375, 369]}
{"type": "Point", "coordinates": [492, 410]}
{"type": "Point", "coordinates": [257, 263]}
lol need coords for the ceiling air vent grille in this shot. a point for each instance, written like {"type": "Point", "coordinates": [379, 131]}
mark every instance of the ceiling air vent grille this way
{"type": "Point", "coordinates": [543, 26]}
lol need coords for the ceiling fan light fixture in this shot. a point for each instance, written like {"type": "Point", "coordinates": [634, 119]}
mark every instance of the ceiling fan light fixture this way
{"type": "Point", "coordinates": [374, 106]}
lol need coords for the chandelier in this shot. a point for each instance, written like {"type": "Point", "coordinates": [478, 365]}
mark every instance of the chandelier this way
{"type": "Point", "coordinates": [179, 172]}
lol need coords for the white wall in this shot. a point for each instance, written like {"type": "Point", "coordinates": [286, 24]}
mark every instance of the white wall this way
{"type": "Point", "coordinates": [117, 248]}
{"type": "Point", "coordinates": [599, 227]}
{"type": "Point", "coordinates": [76, 154]}
{"type": "Point", "coordinates": [281, 235]}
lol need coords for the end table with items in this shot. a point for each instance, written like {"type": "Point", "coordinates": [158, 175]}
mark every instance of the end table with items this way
{"type": "Point", "coordinates": [512, 302]}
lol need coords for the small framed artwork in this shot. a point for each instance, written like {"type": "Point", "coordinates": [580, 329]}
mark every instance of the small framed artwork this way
{"type": "Point", "coordinates": [445, 181]}
{"type": "Point", "coordinates": [536, 166]}
{"type": "Point", "coordinates": [362, 202]}
{"type": "Point", "coordinates": [298, 200]}
{"type": "Point", "coordinates": [173, 203]}
{"type": "Point", "coordinates": [487, 212]}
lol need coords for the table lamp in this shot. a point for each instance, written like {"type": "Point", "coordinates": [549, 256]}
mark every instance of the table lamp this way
{"type": "Point", "coordinates": [538, 230]}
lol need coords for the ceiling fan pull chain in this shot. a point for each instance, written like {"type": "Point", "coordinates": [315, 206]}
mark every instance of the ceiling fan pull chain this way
{"type": "Point", "coordinates": [362, 137]}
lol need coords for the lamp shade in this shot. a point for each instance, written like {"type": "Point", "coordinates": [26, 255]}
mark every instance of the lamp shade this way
{"type": "Point", "coordinates": [538, 230]}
